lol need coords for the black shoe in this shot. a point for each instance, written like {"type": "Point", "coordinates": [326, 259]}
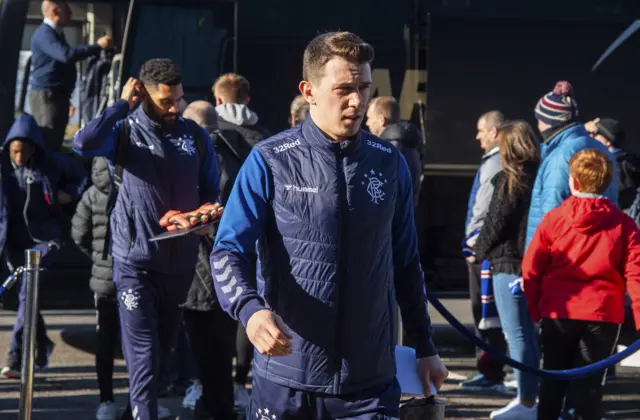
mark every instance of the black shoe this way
{"type": "Point", "coordinates": [42, 358]}
{"type": "Point", "coordinates": [482, 383]}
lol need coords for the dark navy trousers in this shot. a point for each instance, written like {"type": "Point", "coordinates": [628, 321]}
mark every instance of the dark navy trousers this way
{"type": "Point", "coordinates": [150, 315]}
{"type": "Point", "coordinates": [15, 257]}
{"type": "Point", "coordinates": [270, 401]}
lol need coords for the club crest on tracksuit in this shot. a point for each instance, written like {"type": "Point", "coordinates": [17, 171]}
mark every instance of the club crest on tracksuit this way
{"type": "Point", "coordinates": [374, 183]}
{"type": "Point", "coordinates": [265, 414]}
{"type": "Point", "coordinates": [130, 299]}
{"type": "Point", "coordinates": [187, 145]}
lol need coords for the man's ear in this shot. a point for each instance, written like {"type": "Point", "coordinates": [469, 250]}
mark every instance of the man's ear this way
{"type": "Point", "coordinates": [218, 101]}
{"type": "Point", "coordinates": [246, 101]}
{"type": "Point", "coordinates": [306, 90]}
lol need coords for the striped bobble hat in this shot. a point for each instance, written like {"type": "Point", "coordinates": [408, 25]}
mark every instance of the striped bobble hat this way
{"type": "Point", "coordinates": [558, 106]}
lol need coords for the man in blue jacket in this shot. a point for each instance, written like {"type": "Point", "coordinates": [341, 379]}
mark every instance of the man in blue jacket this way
{"type": "Point", "coordinates": [164, 173]}
{"type": "Point", "coordinates": [563, 135]}
{"type": "Point", "coordinates": [330, 208]}
{"type": "Point", "coordinates": [34, 183]}
{"type": "Point", "coordinates": [53, 74]}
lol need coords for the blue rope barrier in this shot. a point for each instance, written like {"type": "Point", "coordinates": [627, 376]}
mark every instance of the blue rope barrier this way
{"type": "Point", "coordinates": [564, 375]}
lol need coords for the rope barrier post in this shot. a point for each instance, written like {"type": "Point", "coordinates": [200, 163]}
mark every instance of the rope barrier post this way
{"type": "Point", "coordinates": [31, 277]}
{"type": "Point", "coordinates": [398, 327]}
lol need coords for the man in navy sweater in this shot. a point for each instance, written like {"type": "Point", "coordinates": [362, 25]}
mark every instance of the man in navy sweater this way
{"type": "Point", "coordinates": [53, 74]}
{"type": "Point", "coordinates": [165, 173]}
{"type": "Point", "coordinates": [330, 208]}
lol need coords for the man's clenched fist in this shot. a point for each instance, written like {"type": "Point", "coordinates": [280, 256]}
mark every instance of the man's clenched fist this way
{"type": "Point", "coordinates": [268, 334]}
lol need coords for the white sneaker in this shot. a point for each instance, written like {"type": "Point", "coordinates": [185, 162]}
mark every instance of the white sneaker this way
{"type": "Point", "coordinates": [163, 412]}
{"type": "Point", "coordinates": [193, 394]}
{"type": "Point", "coordinates": [107, 411]}
{"type": "Point", "coordinates": [241, 396]}
{"type": "Point", "coordinates": [516, 411]}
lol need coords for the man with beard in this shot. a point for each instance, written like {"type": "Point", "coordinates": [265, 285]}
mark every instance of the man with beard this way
{"type": "Point", "coordinates": [330, 207]}
{"type": "Point", "coordinates": [165, 175]}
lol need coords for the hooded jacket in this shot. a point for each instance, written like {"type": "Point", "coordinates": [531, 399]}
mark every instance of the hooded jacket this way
{"type": "Point", "coordinates": [161, 171]}
{"type": "Point", "coordinates": [241, 119]}
{"type": "Point", "coordinates": [579, 261]}
{"type": "Point", "coordinates": [89, 228]}
{"type": "Point", "coordinates": [552, 182]}
{"type": "Point", "coordinates": [406, 138]}
{"type": "Point", "coordinates": [337, 246]}
{"type": "Point", "coordinates": [51, 173]}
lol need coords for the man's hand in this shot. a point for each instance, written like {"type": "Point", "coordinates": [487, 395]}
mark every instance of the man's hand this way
{"type": "Point", "coordinates": [471, 259]}
{"type": "Point", "coordinates": [64, 198]}
{"type": "Point", "coordinates": [105, 41]}
{"type": "Point", "coordinates": [431, 370]}
{"type": "Point", "coordinates": [268, 334]}
{"type": "Point", "coordinates": [129, 92]}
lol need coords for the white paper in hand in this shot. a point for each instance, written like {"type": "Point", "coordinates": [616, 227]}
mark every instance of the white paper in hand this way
{"type": "Point", "coordinates": [407, 372]}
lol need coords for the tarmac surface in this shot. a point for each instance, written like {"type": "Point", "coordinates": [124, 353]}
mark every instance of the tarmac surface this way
{"type": "Point", "coordinates": [68, 389]}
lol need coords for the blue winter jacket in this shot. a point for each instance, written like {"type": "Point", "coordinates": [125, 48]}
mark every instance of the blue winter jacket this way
{"type": "Point", "coordinates": [337, 246]}
{"type": "Point", "coordinates": [51, 173]}
{"type": "Point", "coordinates": [551, 187]}
{"type": "Point", "coordinates": [162, 172]}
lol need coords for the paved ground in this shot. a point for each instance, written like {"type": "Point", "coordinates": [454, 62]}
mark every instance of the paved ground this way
{"type": "Point", "coordinates": [68, 389]}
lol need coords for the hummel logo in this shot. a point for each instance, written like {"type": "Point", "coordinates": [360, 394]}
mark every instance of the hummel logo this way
{"type": "Point", "coordinates": [301, 189]}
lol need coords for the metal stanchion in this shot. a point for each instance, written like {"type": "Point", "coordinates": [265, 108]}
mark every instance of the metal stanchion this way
{"type": "Point", "coordinates": [31, 277]}
{"type": "Point", "coordinates": [399, 329]}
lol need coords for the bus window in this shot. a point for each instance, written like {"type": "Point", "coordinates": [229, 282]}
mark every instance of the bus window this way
{"type": "Point", "coordinates": [193, 37]}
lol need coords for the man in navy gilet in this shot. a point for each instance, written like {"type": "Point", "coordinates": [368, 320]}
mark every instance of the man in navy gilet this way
{"type": "Point", "coordinates": [53, 74]}
{"type": "Point", "coordinates": [163, 173]}
{"type": "Point", "coordinates": [330, 209]}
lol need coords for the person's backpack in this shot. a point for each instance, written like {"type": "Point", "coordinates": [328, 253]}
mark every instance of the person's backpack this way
{"type": "Point", "coordinates": [116, 179]}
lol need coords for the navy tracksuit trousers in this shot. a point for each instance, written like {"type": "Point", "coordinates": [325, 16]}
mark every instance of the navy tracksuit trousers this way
{"type": "Point", "coordinates": [270, 401]}
{"type": "Point", "coordinates": [15, 257]}
{"type": "Point", "coordinates": [150, 316]}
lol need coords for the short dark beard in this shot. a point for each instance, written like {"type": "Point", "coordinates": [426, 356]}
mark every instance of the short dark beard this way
{"type": "Point", "coordinates": [151, 113]}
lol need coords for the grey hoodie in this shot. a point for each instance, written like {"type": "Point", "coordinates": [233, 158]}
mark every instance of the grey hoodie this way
{"type": "Point", "coordinates": [242, 120]}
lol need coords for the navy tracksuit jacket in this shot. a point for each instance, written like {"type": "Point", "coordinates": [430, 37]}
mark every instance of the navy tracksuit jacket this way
{"type": "Point", "coordinates": [162, 172]}
{"type": "Point", "coordinates": [51, 173]}
{"type": "Point", "coordinates": [337, 248]}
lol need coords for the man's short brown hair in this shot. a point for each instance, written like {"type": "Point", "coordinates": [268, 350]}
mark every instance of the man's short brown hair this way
{"type": "Point", "coordinates": [387, 106]}
{"type": "Point", "coordinates": [592, 169]}
{"type": "Point", "coordinates": [232, 88]}
{"type": "Point", "coordinates": [324, 47]}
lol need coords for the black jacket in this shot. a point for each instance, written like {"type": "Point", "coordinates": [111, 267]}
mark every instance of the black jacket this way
{"type": "Point", "coordinates": [502, 237]}
{"type": "Point", "coordinates": [406, 137]}
{"type": "Point", "coordinates": [242, 120]}
{"type": "Point", "coordinates": [89, 227]}
{"type": "Point", "coordinates": [231, 151]}
{"type": "Point", "coordinates": [628, 178]}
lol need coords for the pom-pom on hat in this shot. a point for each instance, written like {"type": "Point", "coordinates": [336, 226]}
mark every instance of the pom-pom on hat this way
{"type": "Point", "coordinates": [558, 106]}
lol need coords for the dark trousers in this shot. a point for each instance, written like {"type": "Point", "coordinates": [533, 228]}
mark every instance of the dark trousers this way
{"type": "Point", "coordinates": [212, 337]}
{"type": "Point", "coordinates": [15, 257]}
{"type": "Point", "coordinates": [107, 334]}
{"type": "Point", "coordinates": [272, 401]}
{"type": "Point", "coordinates": [51, 111]}
{"type": "Point", "coordinates": [150, 316]}
{"type": "Point", "coordinates": [490, 367]}
{"type": "Point", "coordinates": [244, 355]}
{"type": "Point", "coordinates": [566, 344]}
